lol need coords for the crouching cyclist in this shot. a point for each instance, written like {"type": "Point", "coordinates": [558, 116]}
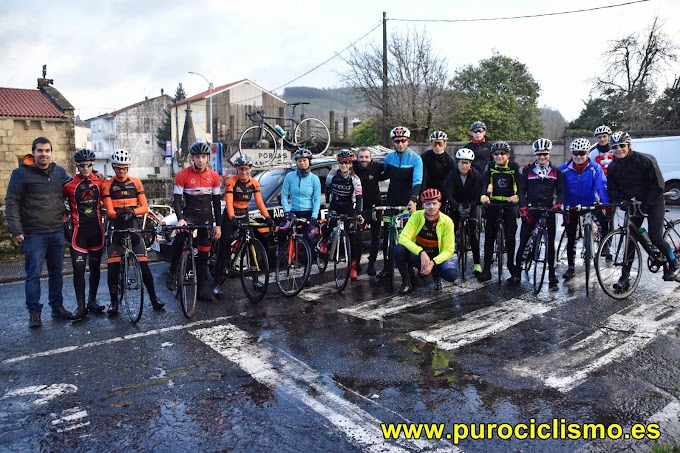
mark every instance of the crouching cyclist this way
{"type": "Point", "coordinates": [426, 242]}
{"type": "Point", "coordinates": [238, 192]}
{"type": "Point", "coordinates": [344, 188]}
{"type": "Point", "coordinates": [196, 201]}
{"type": "Point", "coordinates": [124, 199]}
{"type": "Point", "coordinates": [301, 196]}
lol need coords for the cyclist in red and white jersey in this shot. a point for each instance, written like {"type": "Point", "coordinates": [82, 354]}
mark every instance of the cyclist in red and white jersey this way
{"type": "Point", "coordinates": [600, 152]}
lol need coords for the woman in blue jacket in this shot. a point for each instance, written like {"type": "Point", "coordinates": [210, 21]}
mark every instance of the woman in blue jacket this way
{"type": "Point", "coordinates": [585, 185]}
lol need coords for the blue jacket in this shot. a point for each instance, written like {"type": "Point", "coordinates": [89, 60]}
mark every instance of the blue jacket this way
{"type": "Point", "coordinates": [585, 187]}
{"type": "Point", "coordinates": [405, 172]}
{"type": "Point", "coordinates": [304, 193]}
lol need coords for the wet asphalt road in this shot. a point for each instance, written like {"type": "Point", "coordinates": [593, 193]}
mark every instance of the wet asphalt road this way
{"type": "Point", "coordinates": [321, 371]}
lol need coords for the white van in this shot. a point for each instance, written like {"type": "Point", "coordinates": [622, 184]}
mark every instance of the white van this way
{"type": "Point", "coordinates": [666, 150]}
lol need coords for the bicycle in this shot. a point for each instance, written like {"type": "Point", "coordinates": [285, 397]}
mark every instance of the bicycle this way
{"type": "Point", "coordinates": [293, 260]}
{"type": "Point", "coordinates": [622, 276]}
{"type": "Point", "coordinates": [339, 250]}
{"type": "Point", "coordinates": [130, 284]}
{"type": "Point", "coordinates": [536, 250]}
{"type": "Point", "coordinates": [310, 133]}
{"type": "Point", "coordinates": [395, 216]}
{"type": "Point", "coordinates": [499, 246]}
{"type": "Point", "coordinates": [590, 234]}
{"type": "Point", "coordinates": [463, 242]}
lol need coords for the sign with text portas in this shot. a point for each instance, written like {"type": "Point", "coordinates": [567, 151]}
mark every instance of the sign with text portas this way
{"type": "Point", "coordinates": [263, 157]}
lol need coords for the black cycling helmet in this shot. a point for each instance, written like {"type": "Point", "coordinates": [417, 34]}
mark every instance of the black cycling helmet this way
{"type": "Point", "coordinates": [500, 146]}
{"type": "Point", "coordinates": [83, 155]}
{"type": "Point", "coordinates": [478, 125]}
{"type": "Point", "coordinates": [345, 155]}
{"type": "Point", "coordinates": [242, 161]}
{"type": "Point", "coordinates": [619, 137]}
{"type": "Point", "coordinates": [199, 148]}
{"type": "Point", "coordinates": [301, 153]}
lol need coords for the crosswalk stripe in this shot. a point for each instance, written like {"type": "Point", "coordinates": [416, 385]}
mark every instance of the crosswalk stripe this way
{"type": "Point", "coordinates": [481, 323]}
{"type": "Point", "coordinates": [620, 337]}
{"type": "Point", "coordinates": [297, 381]}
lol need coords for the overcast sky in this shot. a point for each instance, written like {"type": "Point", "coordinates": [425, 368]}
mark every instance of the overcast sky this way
{"type": "Point", "coordinates": [110, 54]}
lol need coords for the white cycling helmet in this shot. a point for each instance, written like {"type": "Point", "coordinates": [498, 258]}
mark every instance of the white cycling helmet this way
{"type": "Point", "coordinates": [602, 130]}
{"type": "Point", "coordinates": [400, 132]}
{"type": "Point", "coordinates": [580, 144]}
{"type": "Point", "coordinates": [542, 145]}
{"type": "Point", "coordinates": [465, 154]}
{"type": "Point", "coordinates": [121, 158]}
{"type": "Point", "coordinates": [439, 135]}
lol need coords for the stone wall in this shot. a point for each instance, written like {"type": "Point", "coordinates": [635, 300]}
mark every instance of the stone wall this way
{"type": "Point", "coordinates": [16, 138]}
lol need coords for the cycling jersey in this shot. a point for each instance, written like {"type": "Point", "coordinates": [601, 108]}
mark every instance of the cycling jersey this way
{"type": "Point", "coordinates": [436, 168]}
{"type": "Point", "coordinates": [637, 175]}
{"type": "Point", "coordinates": [344, 190]}
{"type": "Point", "coordinates": [84, 198]}
{"type": "Point", "coordinates": [602, 156]}
{"type": "Point", "coordinates": [503, 180]}
{"type": "Point", "coordinates": [443, 231]}
{"type": "Point", "coordinates": [537, 186]}
{"type": "Point", "coordinates": [201, 193]}
{"type": "Point", "coordinates": [405, 172]}
{"type": "Point", "coordinates": [301, 193]}
{"type": "Point", "coordinates": [456, 191]}
{"type": "Point", "coordinates": [124, 194]}
{"type": "Point", "coordinates": [237, 195]}
{"type": "Point", "coordinates": [586, 187]}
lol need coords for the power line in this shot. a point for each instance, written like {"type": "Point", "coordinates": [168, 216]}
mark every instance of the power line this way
{"type": "Point", "coordinates": [487, 19]}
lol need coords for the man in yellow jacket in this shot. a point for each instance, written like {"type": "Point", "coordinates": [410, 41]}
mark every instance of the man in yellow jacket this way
{"type": "Point", "coordinates": [427, 242]}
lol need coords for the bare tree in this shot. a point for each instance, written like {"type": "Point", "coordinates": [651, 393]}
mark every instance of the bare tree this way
{"type": "Point", "coordinates": [417, 81]}
{"type": "Point", "coordinates": [553, 123]}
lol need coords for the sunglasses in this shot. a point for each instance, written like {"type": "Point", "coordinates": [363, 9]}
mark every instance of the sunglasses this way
{"type": "Point", "coordinates": [85, 165]}
{"type": "Point", "coordinates": [400, 140]}
{"type": "Point", "coordinates": [116, 167]}
{"type": "Point", "coordinates": [478, 131]}
{"type": "Point", "coordinates": [578, 153]}
{"type": "Point", "coordinates": [542, 154]}
{"type": "Point", "coordinates": [438, 143]}
{"type": "Point", "coordinates": [620, 146]}
{"type": "Point", "coordinates": [430, 204]}
{"type": "Point", "coordinates": [345, 162]}
{"type": "Point", "coordinates": [500, 153]}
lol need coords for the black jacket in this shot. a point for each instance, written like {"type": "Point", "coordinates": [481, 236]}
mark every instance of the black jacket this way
{"type": "Point", "coordinates": [369, 182]}
{"type": "Point", "coordinates": [637, 175]}
{"type": "Point", "coordinates": [455, 192]}
{"type": "Point", "coordinates": [436, 167]}
{"type": "Point", "coordinates": [540, 192]}
{"type": "Point", "coordinates": [482, 155]}
{"type": "Point", "coordinates": [35, 203]}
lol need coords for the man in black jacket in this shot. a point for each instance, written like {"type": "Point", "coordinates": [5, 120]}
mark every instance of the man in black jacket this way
{"type": "Point", "coordinates": [436, 163]}
{"type": "Point", "coordinates": [369, 173]}
{"type": "Point", "coordinates": [35, 217]}
{"type": "Point", "coordinates": [479, 145]}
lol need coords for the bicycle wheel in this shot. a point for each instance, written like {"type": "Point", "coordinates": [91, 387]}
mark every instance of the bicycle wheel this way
{"type": "Point", "coordinates": [267, 144]}
{"type": "Point", "coordinates": [615, 280]}
{"type": "Point", "coordinates": [133, 289]}
{"type": "Point", "coordinates": [462, 248]}
{"type": "Point", "coordinates": [500, 249]}
{"type": "Point", "coordinates": [254, 270]}
{"type": "Point", "coordinates": [341, 260]}
{"type": "Point", "coordinates": [293, 261]}
{"type": "Point", "coordinates": [321, 260]}
{"type": "Point", "coordinates": [540, 259]}
{"type": "Point", "coordinates": [672, 236]}
{"type": "Point", "coordinates": [187, 284]}
{"type": "Point", "coordinates": [588, 247]}
{"type": "Point", "coordinates": [392, 235]}
{"type": "Point", "coordinates": [312, 133]}
{"type": "Point", "coordinates": [561, 247]}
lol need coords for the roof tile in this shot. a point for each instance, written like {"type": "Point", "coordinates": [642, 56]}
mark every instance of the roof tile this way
{"type": "Point", "coordinates": [19, 102]}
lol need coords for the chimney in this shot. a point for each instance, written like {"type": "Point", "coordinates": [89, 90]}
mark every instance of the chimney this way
{"type": "Point", "coordinates": [162, 92]}
{"type": "Point", "coordinates": [146, 98]}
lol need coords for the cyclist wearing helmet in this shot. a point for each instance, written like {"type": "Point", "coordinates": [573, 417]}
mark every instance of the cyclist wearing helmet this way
{"type": "Point", "coordinates": [634, 174]}
{"type": "Point", "coordinates": [462, 189]}
{"type": "Point", "coordinates": [436, 163]}
{"type": "Point", "coordinates": [540, 185]}
{"type": "Point", "coordinates": [600, 152]}
{"type": "Point", "coordinates": [369, 175]}
{"type": "Point", "coordinates": [404, 169]}
{"type": "Point", "coordinates": [83, 193]}
{"type": "Point", "coordinates": [301, 195]}
{"type": "Point", "coordinates": [426, 242]}
{"type": "Point", "coordinates": [196, 201]}
{"type": "Point", "coordinates": [480, 146]}
{"type": "Point", "coordinates": [238, 192]}
{"type": "Point", "coordinates": [124, 199]}
{"type": "Point", "coordinates": [344, 188]}
{"type": "Point", "coordinates": [585, 185]}
{"type": "Point", "coordinates": [499, 184]}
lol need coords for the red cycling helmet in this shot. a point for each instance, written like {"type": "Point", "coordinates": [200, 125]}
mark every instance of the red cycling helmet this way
{"type": "Point", "coordinates": [431, 195]}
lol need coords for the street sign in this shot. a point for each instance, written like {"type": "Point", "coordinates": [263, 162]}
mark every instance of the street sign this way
{"type": "Point", "coordinates": [168, 148]}
{"type": "Point", "coordinates": [262, 157]}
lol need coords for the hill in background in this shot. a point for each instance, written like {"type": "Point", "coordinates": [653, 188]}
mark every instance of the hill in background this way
{"type": "Point", "coordinates": [323, 100]}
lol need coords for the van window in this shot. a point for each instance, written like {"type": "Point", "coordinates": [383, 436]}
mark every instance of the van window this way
{"type": "Point", "coordinates": [322, 172]}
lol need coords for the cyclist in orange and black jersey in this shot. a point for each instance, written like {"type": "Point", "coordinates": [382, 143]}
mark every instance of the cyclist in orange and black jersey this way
{"type": "Point", "coordinates": [83, 193]}
{"type": "Point", "coordinates": [124, 199]}
{"type": "Point", "coordinates": [198, 186]}
{"type": "Point", "coordinates": [238, 192]}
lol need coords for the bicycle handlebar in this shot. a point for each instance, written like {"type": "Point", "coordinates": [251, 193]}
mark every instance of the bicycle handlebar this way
{"type": "Point", "coordinates": [133, 230]}
{"type": "Point", "coordinates": [386, 208]}
{"type": "Point", "coordinates": [188, 227]}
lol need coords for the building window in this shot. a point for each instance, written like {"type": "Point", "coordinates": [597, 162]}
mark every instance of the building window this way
{"type": "Point", "coordinates": [198, 117]}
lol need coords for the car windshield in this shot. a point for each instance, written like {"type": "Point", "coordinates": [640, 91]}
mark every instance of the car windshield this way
{"type": "Point", "coordinates": [270, 181]}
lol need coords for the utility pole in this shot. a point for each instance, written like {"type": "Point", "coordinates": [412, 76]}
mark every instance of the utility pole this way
{"type": "Point", "coordinates": [210, 88]}
{"type": "Point", "coordinates": [386, 142]}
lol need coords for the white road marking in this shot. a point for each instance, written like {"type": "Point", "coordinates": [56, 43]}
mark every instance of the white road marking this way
{"type": "Point", "coordinates": [669, 414]}
{"type": "Point", "coordinates": [481, 323]}
{"type": "Point", "coordinates": [623, 334]}
{"type": "Point", "coordinates": [297, 381]}
{"type": "Point", "coordinates": [379, 309]}
{"type": "Point", "coordinates": [46, 392]}
{"type": "Point", "coordinates": [114, 340]}
{"type": "Point", "coordinates": [327, 289]}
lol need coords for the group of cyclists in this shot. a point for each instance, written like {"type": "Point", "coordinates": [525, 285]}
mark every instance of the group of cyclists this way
{"type": "Point", "coordinates": [437, 190]}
